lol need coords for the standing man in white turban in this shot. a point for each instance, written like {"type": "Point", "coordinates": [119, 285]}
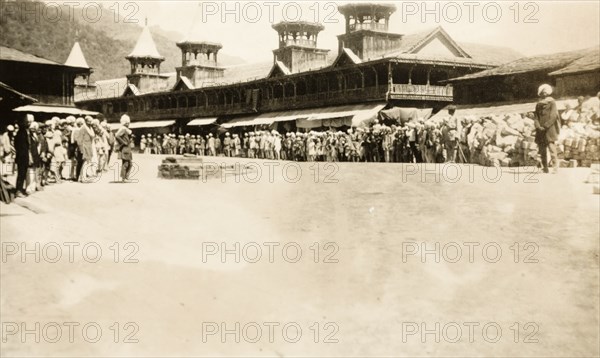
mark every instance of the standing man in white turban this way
{"type": "Point", "coordinates": [547, 125]}
{"type": "Point", "coordinates": [123, 139]}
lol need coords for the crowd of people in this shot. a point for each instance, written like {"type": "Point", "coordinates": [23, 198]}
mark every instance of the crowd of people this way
{"type": "Point", "coordinates": [416, 141]}
{"type": "Point", "coordinates": [67, 149]}
{"type": "Point", "coordinates": [453, 138]}
{"type": "Point", "coordinates": [79, 149]}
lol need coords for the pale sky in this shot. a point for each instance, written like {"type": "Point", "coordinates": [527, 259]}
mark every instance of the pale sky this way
{"type": "Point", "coordinates": [537, 27]}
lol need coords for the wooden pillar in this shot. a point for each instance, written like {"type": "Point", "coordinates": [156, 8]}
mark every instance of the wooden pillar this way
{"type": "Point", "coordinates": [390, 76]}
{"type": "Point", "coordinates": [428, 75]}
{"type": "Point", "coordinates": [362, 78]}
{"type": "Point", "coordinates": [63, 89]}
{"type": "Point", "coordinates": [376, 76]}
{"type": "Point", "coordinates": [410, 71]}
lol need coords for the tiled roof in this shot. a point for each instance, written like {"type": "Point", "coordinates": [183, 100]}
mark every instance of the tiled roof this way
{"type": "Point", "coordinates": [589, 62]}
{"type": "Point", "coordinates": [479, 54]}
{"type": "Point", "coordinates": [11, 54]}
{"type": "Point", "coordinates": [551, 62]}
{"type": "Point", "coordinates": [491, 55]}
{"type": "Point", "coordinates": [243, 73]}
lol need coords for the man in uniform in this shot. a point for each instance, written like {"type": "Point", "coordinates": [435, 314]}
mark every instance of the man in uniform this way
{"type": "Point", "coordinates": [124, 140]}
{"type": "Point", "coordinates": [22, 156]}
{"type": "Point", "coordinates": [547, 125]}
{"type": "Point", "coordinates": [451, 134]}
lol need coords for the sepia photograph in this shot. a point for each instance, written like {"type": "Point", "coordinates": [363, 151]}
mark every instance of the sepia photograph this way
{"type": "Point", "coordinates": [183, 178]}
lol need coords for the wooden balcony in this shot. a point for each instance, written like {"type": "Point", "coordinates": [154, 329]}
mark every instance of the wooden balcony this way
{"type": "Point", "coordinates": [325, 99]}
{"type": "Point", "coordinates": [186, 112]}
{"type": "Point", "coordinates": [421, 92]}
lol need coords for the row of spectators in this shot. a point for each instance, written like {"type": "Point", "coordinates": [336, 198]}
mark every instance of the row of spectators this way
{"type": "Point", "coordinates": [78, 149]}
{"type": "Point", "coordinates": [416, 141]}
{"type": "Point", "coordinates": [466, 139]}
{"type": "Point", "coordinates": [75, 149]}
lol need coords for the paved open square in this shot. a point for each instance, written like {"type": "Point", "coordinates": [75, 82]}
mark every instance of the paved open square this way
{"type": "Point", "coordinates": [289, 259]}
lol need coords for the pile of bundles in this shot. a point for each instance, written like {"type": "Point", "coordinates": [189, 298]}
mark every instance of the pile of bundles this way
{"type": "Point", "coordinates": [180, 168]}
{"type": "Point", "coordinates": [503, 141]}
{"type": "Point", "coordinates": [194, 168]}
{"type": "Point", "coordinates": [510, 141]}
{"type": "Point", "coordinates": [579, 144]}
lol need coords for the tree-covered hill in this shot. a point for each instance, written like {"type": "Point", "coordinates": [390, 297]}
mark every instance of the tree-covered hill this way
{"type": "Point", "coordinates": [105, 43]}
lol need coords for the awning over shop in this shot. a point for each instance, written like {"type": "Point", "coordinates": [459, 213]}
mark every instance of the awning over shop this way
{"type": "Point", "coordinates": [247, 121]}
{"type": "Point", "coordinates": [337, 116]}
{"type": "Point", "coordinates": [198, 122]}
{"type": "Point", "coordinates": [503, 109]}
{"type": "Point", "coordinates": [151, 124]}
{"type": "Point", "coordinates": [348, 115]}
{"type": "Point", "coordinates": [33, 108]}
{"type": "Point", "coordinates": [144, 124]}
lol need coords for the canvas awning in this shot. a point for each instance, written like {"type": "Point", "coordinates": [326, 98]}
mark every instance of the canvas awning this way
{"type": "Point", "coordinates": [247, 121]}
{"type": "Point", "coordinates": [144, 124]}
{"type": "Point", "coordinates": [337, 116]}
{"type": "Point", "coordinates": [198, 122]}
{"type": "Point", "coordinates": [501, 109]}
{"type": "Point", "coordinates": [151, 124]}
{"type": "Point", "coordinates": [33, 108]}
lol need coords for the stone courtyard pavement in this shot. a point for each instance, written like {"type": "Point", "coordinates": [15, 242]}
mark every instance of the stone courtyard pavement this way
{"type": "Point", "coordinates": [288, 259]}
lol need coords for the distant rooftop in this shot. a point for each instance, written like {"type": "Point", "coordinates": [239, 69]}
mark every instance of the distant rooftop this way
{"type": "Point", "coordinates": [11, 54]}
{"type": "Point", "coordinates": [472, 54]}
{"type": "Point", "coordinates": [589, 62]}
{"type": "Point", "coordinates": [557, 62]}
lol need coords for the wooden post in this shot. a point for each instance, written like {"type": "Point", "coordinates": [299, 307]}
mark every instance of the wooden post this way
{"type": "Point", "coordinates": [362, 78]}
{"type": "Point", "coordinates": [390, 77]}
{"type": "Point", "coordinates": [428, 75]}
{"type": "Point", "coordinates": [376, 77]}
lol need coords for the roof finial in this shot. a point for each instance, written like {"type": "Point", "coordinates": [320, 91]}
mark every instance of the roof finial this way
{"type": "Point", "coordinates": [146, 20]}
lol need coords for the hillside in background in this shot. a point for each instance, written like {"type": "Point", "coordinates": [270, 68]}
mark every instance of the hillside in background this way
{"type": "Point", "coordinates": [105, 43]}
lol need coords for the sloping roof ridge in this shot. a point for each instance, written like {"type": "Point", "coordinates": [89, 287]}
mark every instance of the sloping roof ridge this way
{"type": "Point", "coordinates": [186, 81]}
{"type": "Point", "coordinates": [438, 30]}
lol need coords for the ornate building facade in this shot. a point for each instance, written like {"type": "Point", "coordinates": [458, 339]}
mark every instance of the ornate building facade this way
{"type": "Point", "coordinates": [373, 66]}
